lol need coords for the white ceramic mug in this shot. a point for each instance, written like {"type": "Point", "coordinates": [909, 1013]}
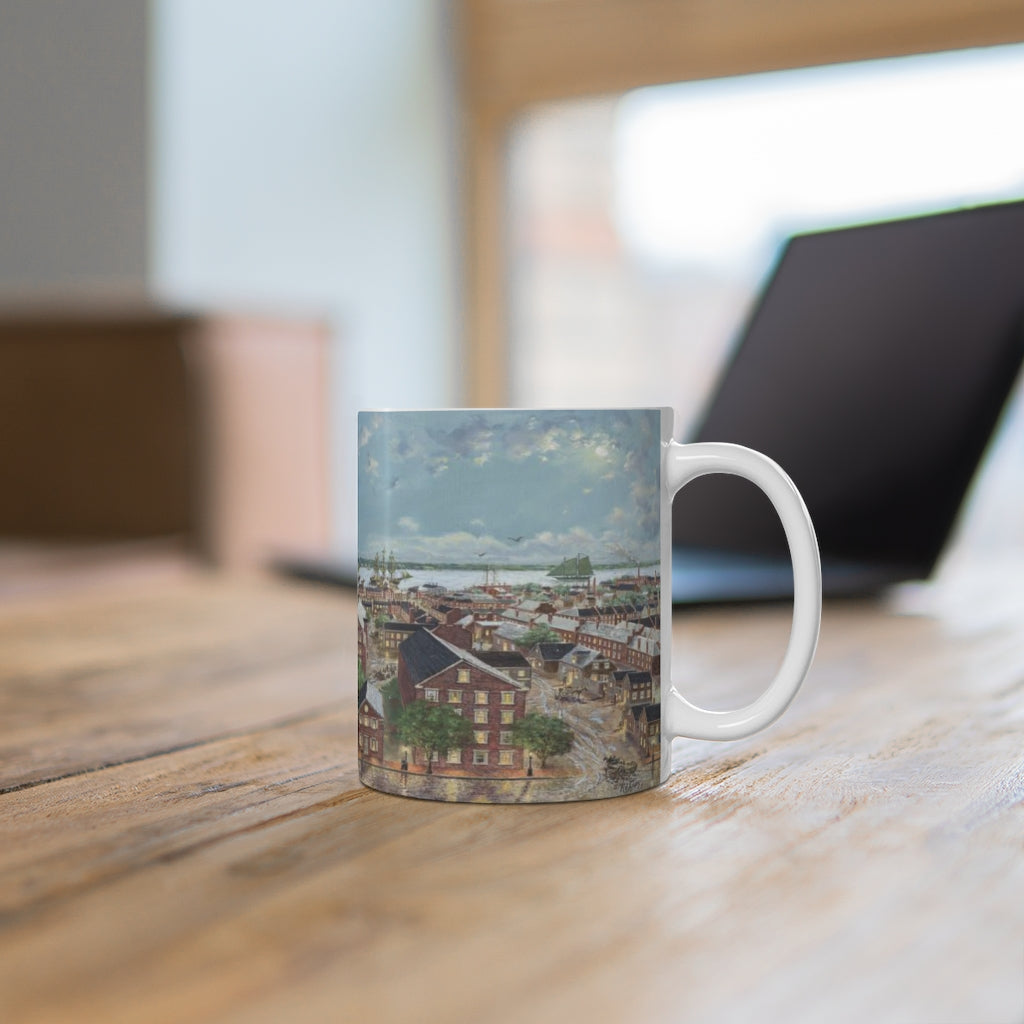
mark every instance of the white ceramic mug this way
{"type": "Point", "coordinates": [511, 601]}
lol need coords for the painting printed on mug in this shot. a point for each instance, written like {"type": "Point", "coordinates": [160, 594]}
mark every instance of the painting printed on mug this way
{"type": "Point", "coordinates": [509, 603]}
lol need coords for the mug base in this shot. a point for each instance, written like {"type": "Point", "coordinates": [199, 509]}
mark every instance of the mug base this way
{"type": "Point", "coordinates": [541, 788]}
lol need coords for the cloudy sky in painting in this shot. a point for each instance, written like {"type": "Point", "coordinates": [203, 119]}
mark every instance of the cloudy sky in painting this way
{"type": "Point", "coordinates": [510, 487]}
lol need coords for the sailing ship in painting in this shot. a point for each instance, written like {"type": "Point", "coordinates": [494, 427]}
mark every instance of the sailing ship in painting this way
{"type": "Point", "coordinates": [573, 569]}
{"type": "Point", "coordinates": [385, 570]}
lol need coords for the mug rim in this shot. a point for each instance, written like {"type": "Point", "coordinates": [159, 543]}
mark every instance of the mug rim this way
{"type": "Point", "coordinates": [521, 408]}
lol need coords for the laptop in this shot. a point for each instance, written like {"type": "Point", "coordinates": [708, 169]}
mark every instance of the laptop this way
{"type": "Point", "coordinates": [873, 369]}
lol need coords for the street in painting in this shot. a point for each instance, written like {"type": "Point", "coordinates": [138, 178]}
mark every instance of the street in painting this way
{"type": "Point", "coordinates": [509, 604]}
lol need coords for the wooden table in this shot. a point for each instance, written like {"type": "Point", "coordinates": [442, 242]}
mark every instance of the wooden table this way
{"type": "Point", "coordinates": [183, 836]}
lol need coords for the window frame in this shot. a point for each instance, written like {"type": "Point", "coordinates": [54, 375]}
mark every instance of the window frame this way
{"type": "Point", "coordinates": [513, 55]}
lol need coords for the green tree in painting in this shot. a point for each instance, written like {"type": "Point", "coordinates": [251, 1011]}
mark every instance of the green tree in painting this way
{"type": "Point", "coordinates": [545, 735]}
{"type": "Point", "coordinates": [539, 634]}
{"type": "Point", "coordinates": [392, 699]}
{"type": "Point", "coordinates": [435, 728]}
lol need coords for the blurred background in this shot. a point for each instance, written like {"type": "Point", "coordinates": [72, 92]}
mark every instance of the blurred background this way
{"type": "Point", "coordinates": [226, 226]}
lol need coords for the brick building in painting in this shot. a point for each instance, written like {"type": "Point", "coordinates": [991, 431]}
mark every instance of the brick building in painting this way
{"type": "Point", "coordinates": [648, 735]}
{"type": "Point", "coordinates": [394, 633]}
{"type": "Point", "coordinates": [371, 725]}
{"type": "Point", "coordinates": [362, 638]}
{"type": "Point", "coordinates": [585, 667]}
{"type": "Point", "coordinates": [644, 651]}
{"type": "Point", "coordinates": [511, 663]}
{"type": "Point", "coordinates": [549, 655]}
{"type": "Point", "coordinates": [492, 699]}
{"type": "Point", "coordinates": [456, 634]}
{"type": "Point", "coordinates": [634, 687]}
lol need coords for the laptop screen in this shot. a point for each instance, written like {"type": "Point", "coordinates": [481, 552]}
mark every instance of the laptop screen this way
{"type": "Point", "coordinates": [873, 370]}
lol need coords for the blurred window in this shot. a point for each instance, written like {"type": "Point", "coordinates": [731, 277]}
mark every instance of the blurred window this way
{"type": "Point", "coordinates": [641, 225]}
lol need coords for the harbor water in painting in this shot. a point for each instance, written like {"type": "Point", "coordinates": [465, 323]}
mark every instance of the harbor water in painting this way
{"type": "Point", "coordinates": [509, 603]}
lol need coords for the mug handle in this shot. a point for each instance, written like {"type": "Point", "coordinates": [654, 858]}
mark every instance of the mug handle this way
{"type": "Point", "coordinates": [686, 462]}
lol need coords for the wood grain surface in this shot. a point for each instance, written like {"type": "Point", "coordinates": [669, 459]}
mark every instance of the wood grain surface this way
{"type": "Point", "coordinates": [183, 836]}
